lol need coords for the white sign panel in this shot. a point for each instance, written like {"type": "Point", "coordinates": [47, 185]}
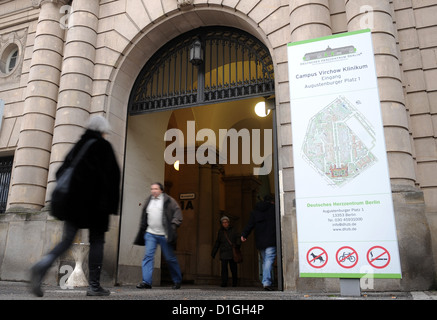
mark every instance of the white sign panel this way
{"type": "Point", "coordinates": [345, 216]}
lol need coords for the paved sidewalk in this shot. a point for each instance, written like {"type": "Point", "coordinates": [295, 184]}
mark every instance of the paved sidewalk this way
{"type": "Point", "coordinates": [205, 302]}
{"type": "Point", "coordinates": [20, 291]}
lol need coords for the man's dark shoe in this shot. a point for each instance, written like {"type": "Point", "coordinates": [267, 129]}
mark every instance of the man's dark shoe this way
{"type": "Point", "coordinates": [268, 288]}
{"type": "Point", "coordinates": [144, 285]}
{"type": "Point", "coordinates": [176, 286]}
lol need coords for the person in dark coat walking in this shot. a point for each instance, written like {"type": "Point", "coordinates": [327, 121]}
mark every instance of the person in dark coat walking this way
{"type": "Point", "coordinates": [263, 220]}
{"type": "Point", "coordinates": [93, 196]}
{"type": "Point", "coordinates": [159, 221]}
{"type": "Point", "coordinates": [227, 237]}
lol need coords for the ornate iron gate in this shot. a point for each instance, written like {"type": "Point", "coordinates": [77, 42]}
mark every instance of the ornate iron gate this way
{"type": "Point", "coordinates": [233, 64]}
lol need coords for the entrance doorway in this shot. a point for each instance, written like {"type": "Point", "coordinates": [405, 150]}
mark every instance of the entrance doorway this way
{"type": "Point", "coordinates": [193, 126]}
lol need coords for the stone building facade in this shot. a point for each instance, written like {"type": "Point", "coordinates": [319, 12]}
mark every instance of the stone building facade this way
{"type": "Point", "coordinates": [62, 61]}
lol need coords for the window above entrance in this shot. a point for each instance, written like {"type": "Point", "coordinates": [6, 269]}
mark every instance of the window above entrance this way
{"type": "Point", "coordinates": [233, 65]}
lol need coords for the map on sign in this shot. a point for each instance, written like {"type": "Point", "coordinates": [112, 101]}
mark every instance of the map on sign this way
{"type": "Point", "coordinates": [338, 142]}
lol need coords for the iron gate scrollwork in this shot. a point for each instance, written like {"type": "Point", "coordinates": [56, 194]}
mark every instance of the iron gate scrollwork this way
{"type": "Point", "coordinates": [235, 65]}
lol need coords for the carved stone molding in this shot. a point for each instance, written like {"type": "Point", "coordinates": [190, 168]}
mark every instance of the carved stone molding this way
{"type": "Point", "coordinates": [185, 4]}
{"type": "Point", "coordinates": [38, 3]}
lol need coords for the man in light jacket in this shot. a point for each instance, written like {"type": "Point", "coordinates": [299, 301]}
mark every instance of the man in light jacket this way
{"type": "Point", "coordinates": [159, 221]}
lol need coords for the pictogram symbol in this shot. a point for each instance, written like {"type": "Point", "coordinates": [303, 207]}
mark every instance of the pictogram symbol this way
{"type": "Point", "coordinates": [317, 257]}
{"type": "Point", "coordinates": [378, 257]}
{"type": "Point", "coordinates": [347, 257]}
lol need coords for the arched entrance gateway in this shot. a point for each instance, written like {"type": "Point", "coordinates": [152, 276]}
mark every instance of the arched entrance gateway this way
{"type": "Point", "coordinates": [192, 125]}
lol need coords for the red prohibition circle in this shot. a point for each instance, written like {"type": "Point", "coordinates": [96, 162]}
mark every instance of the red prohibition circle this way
{"type": "Point", "coordinates": [318, 257]}
{"type": "Point", "coordinates": [347, 257]}
{"type": "Point", "coordinates": [371, 261]}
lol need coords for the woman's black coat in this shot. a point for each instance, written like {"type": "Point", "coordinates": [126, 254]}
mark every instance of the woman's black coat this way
{"type": "Point", "coordinates": [223, 244]}
{"type": "Point", "coordinates": [95, 187]}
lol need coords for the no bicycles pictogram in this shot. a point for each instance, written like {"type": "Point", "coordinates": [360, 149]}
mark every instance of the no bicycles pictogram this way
{"type": "Point", "coordinates": [347, 257]}
{"type": "Point", "coordinates": [317, 257]}
{"type": "Point", "coordinates": [378, 257]}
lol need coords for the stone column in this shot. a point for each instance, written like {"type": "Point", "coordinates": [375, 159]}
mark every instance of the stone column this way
{"type": "Point", "coordinates": [309, 19]}
{"type": "Point", "coordinates": [75, 90]}
{"type": "Point", "coordinates": [378, 15]}
{"type": "Point", "coordinates": [205, 219]}
{"type": "Point", "coordinates": [413, 231]}
{"type": "Point", "coordinates": [28, 187]}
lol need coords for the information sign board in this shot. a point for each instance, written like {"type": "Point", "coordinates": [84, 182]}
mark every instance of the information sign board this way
{"type": "Point", "coordinates": [344, 207]}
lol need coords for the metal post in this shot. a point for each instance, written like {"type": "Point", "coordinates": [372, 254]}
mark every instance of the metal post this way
{"type": "Point", "coordinates": [350, 287]}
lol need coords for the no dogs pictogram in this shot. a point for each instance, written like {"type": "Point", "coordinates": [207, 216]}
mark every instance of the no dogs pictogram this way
{"type": "Point", "coordinates": [317, 257]}
{"type": "Point", "coordinates": [347, 257]}
{"type": "Point", "coordinates": [378, 257]}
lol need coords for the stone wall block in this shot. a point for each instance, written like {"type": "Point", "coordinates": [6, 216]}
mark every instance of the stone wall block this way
{"type": "Point", "coordinates": [76, 99]}
{"type": "Point", "coordinates": [49, 42]}
{"type": "Point", "coordinates": [88, 6]}
{"type": "Point", "coordinates": [401, 168]}
{"type": "Point", "coordinates": [155, 12]}
{"type": "Point", "coordinates": [29, 198]}
{"type": "Point", "coordinates": [427, 38]}
{"type": "Point", "coordinates": [35, 139]}
{"type": "Point", "coordinates": [40, 105]}
{"type": "Point", "coordinates": [48, 58]}
{"type": "Point", "coordinates": [51, 28]}
{"type": "Point", "coordinates": [82, 34]}
{"type": "Point", "coordinates": [76, 116]}
{"type": "Point", "coordinates": [387, 66]}
{"type": "Point", "coordinates": [397, 139]}
{"type": "Point", "coordinates": [275, 21]}
{"type": "Point", "coordinates": [311, 20]}
{"type": "Point", "coordinates": [39, 122]}
{"type": "Point", "coordinates": [422, 126]}
{"type": "Point", "coordinates": [391, 90]}
{"type": "Point", "coordinates": [414, 80]}
{"type": "Point", "coordinates": [84, 18]}
{"type": "Point", "coordinates": [136, 11]}
{"type": "Point", "coordinates": [426, 149]}
{"type": "Point", "coordinates": [68, 134]}
{"type": "Point", "coordinates": [413, 238]}
{"type": "Point", "coordinates": [44, 73]}
{"type": "Point", "coordinates": [384, 44]}
{"type": "Point", "coordinates": [85, 67]}
{"type": "Point", "coordinates": [30, 175]}
{"type": "Point", "coordinates": [394, 114]}
{"type": "Point", "coordinates": [35, 157]}
{"type": "Point", "coordinates": [42, 89]}
{"type": "Point", "coordinates": [76, 81]}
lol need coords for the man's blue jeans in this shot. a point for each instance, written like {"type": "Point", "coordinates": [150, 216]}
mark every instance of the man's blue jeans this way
{"type": "Point", "coordinates": [268, 256]}
{"type": "Point", "coordinates": [152, 242]}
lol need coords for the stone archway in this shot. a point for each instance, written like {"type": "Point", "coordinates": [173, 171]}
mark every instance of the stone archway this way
{"type": "Point", "coordinates": [130, 256]}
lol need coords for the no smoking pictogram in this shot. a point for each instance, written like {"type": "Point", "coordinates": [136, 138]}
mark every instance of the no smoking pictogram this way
{"type": "Point", "coordinates": [317, 257]}
{"type": "Point", "coordinates": [378, 257]}
{"type": "Point", "coordinates": [347, 257]}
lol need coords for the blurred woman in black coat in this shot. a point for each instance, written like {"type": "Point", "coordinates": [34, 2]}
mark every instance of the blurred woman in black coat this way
{"type": "Point", "coordinates": [93, 196]}
{"type": "Point", "coordinates": [227, 237]}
